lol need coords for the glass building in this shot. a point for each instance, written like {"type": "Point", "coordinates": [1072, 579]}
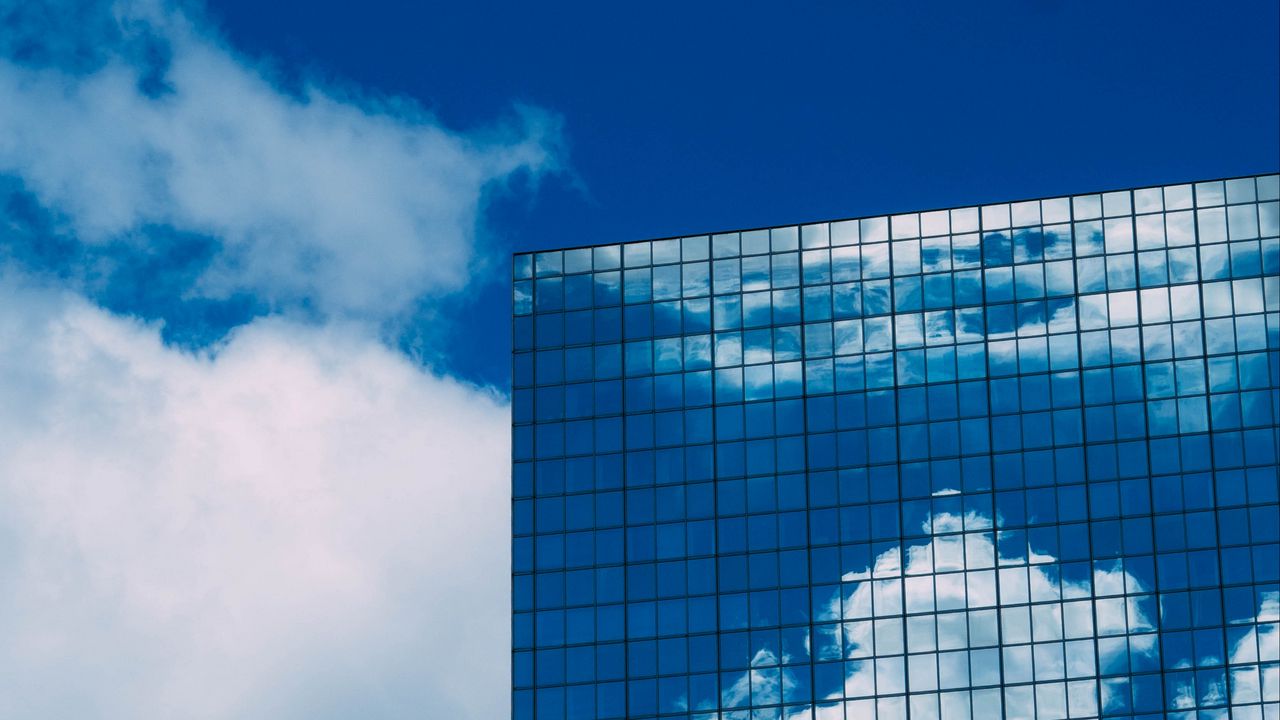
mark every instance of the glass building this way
{"type": "Point", "coordinates": [1017, 460]}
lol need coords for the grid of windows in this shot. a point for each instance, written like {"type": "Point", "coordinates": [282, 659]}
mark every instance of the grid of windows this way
{"type": "Point", "coordinates": [1018, 459]}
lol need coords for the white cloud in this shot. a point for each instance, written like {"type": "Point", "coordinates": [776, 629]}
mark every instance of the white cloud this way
{"type": "Point", "coordinates": [303, 525]}
{"type": "Point", "coordinates": [351, 206]}
{"type": "Point", "coordinates": [1064, 627]}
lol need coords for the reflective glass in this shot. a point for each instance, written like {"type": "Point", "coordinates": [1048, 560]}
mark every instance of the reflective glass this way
{"type": "Point", "coordinates": [1016, 460]}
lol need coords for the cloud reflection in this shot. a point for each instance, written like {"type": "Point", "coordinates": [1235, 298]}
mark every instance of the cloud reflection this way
{"type": "Point", "coordinates": [956, 628]}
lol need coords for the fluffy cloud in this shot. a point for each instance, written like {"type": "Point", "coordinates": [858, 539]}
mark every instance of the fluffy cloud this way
{"type": "Point", "coordinates": [304, 524]}
{"type": "Point", "coordinates": [135, 127]}
{"type": "Point", "coordinates": [300, 522]}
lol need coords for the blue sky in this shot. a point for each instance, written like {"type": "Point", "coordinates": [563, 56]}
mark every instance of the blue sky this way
{"type": "Point", "coordinates": [243, 427]}
{"type": "Point", "coordinates": [696, 117]}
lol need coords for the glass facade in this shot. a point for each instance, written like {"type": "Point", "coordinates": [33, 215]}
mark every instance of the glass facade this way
{"type": "Point", "coordinates": [1017, 460]}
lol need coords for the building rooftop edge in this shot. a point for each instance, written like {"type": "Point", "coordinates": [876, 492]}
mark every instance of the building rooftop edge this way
{"type": "Point", "coordinates": [819, 221]}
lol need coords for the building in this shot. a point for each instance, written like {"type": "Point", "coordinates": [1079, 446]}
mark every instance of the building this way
{"type": "Point", "coordinates": [1017, 459]}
